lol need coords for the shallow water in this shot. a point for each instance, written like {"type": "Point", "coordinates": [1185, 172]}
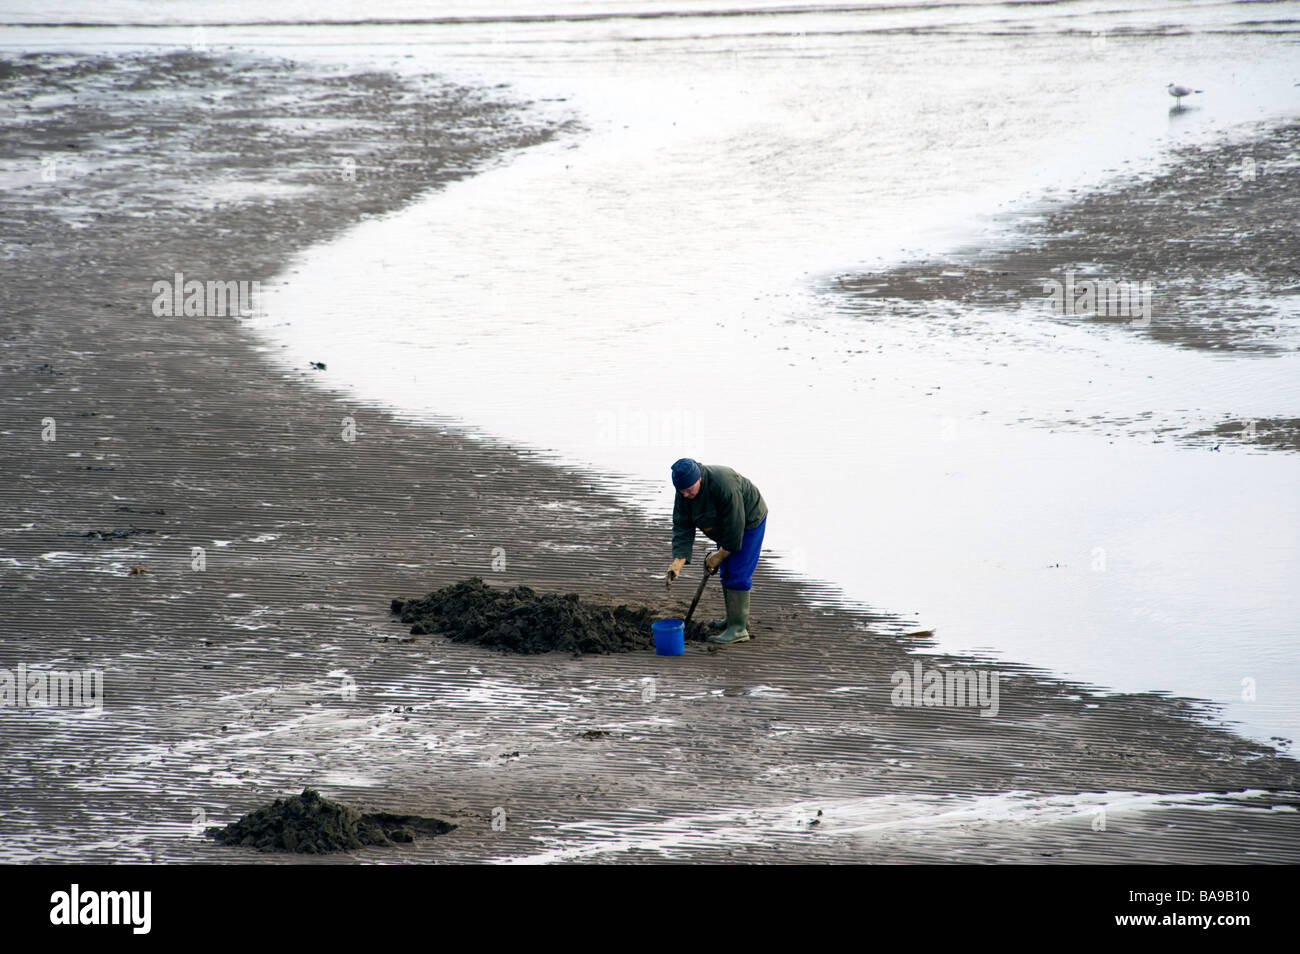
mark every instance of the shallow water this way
{"type": "Point", "coordinates": [581, 299]}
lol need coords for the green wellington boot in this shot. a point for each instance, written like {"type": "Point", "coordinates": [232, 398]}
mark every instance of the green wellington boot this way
{"type": "Point", "coordinates": [737, 630]}
{"type": "Point", "coordinates": [719, 623]}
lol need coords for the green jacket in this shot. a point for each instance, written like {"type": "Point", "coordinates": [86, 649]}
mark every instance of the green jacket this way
{"type": "Point", "coordinates": [726, 506]}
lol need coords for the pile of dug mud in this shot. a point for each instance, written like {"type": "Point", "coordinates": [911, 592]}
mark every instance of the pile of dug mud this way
{"type": "Point", "coordinates": [312, 824]}
{"type": "Point", "coordinates": [519, 620]}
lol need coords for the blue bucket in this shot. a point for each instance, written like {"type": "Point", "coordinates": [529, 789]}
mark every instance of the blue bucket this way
{"type": "Point", "coordinates": [670, 637]}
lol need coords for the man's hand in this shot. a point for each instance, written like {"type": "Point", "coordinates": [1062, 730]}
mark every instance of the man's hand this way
{"type": "Point", "coordinates": [714, 559]}
{"type": "Point", "coordinates": [674, 571]}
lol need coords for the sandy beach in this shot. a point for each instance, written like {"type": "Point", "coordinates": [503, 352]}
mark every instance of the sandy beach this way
{"type": "Point", "coordinates": [278, 665]}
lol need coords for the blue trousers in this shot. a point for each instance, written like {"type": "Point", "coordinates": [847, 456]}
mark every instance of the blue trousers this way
{"type": "Point", "coordinates": [737, 570]}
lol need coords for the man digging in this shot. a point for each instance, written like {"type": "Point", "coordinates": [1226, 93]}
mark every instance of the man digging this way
{"type": "Point", "coordinates": [730, 511]}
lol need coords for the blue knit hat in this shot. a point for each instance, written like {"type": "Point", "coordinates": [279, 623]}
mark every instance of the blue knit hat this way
{"type": "Point", "coordinates": [685, 473]}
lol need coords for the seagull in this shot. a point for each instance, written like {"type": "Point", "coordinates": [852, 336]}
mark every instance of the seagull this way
{"type": "Point", "coordinates": [1178, 92]}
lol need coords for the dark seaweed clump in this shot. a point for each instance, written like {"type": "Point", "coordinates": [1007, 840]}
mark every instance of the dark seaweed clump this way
{"type": "Point", "coordinates": [312, 824]}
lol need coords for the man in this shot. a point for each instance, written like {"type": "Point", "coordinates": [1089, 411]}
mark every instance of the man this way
{"type": "Point", "coordinates": [729, 510]}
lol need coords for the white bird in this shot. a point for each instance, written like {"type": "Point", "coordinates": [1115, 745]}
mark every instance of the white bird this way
{"type": "Point", "coordinates": [1178, 92]}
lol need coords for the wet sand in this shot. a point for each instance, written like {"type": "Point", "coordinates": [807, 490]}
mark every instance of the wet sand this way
{"type": "Point", "coordinates": [278, 666]}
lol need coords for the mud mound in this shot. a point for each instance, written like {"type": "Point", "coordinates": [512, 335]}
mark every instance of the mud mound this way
{"type": "Point", "coordinates": [519, 620]}
{"type": "Point", "coordinates": [311, 824]}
